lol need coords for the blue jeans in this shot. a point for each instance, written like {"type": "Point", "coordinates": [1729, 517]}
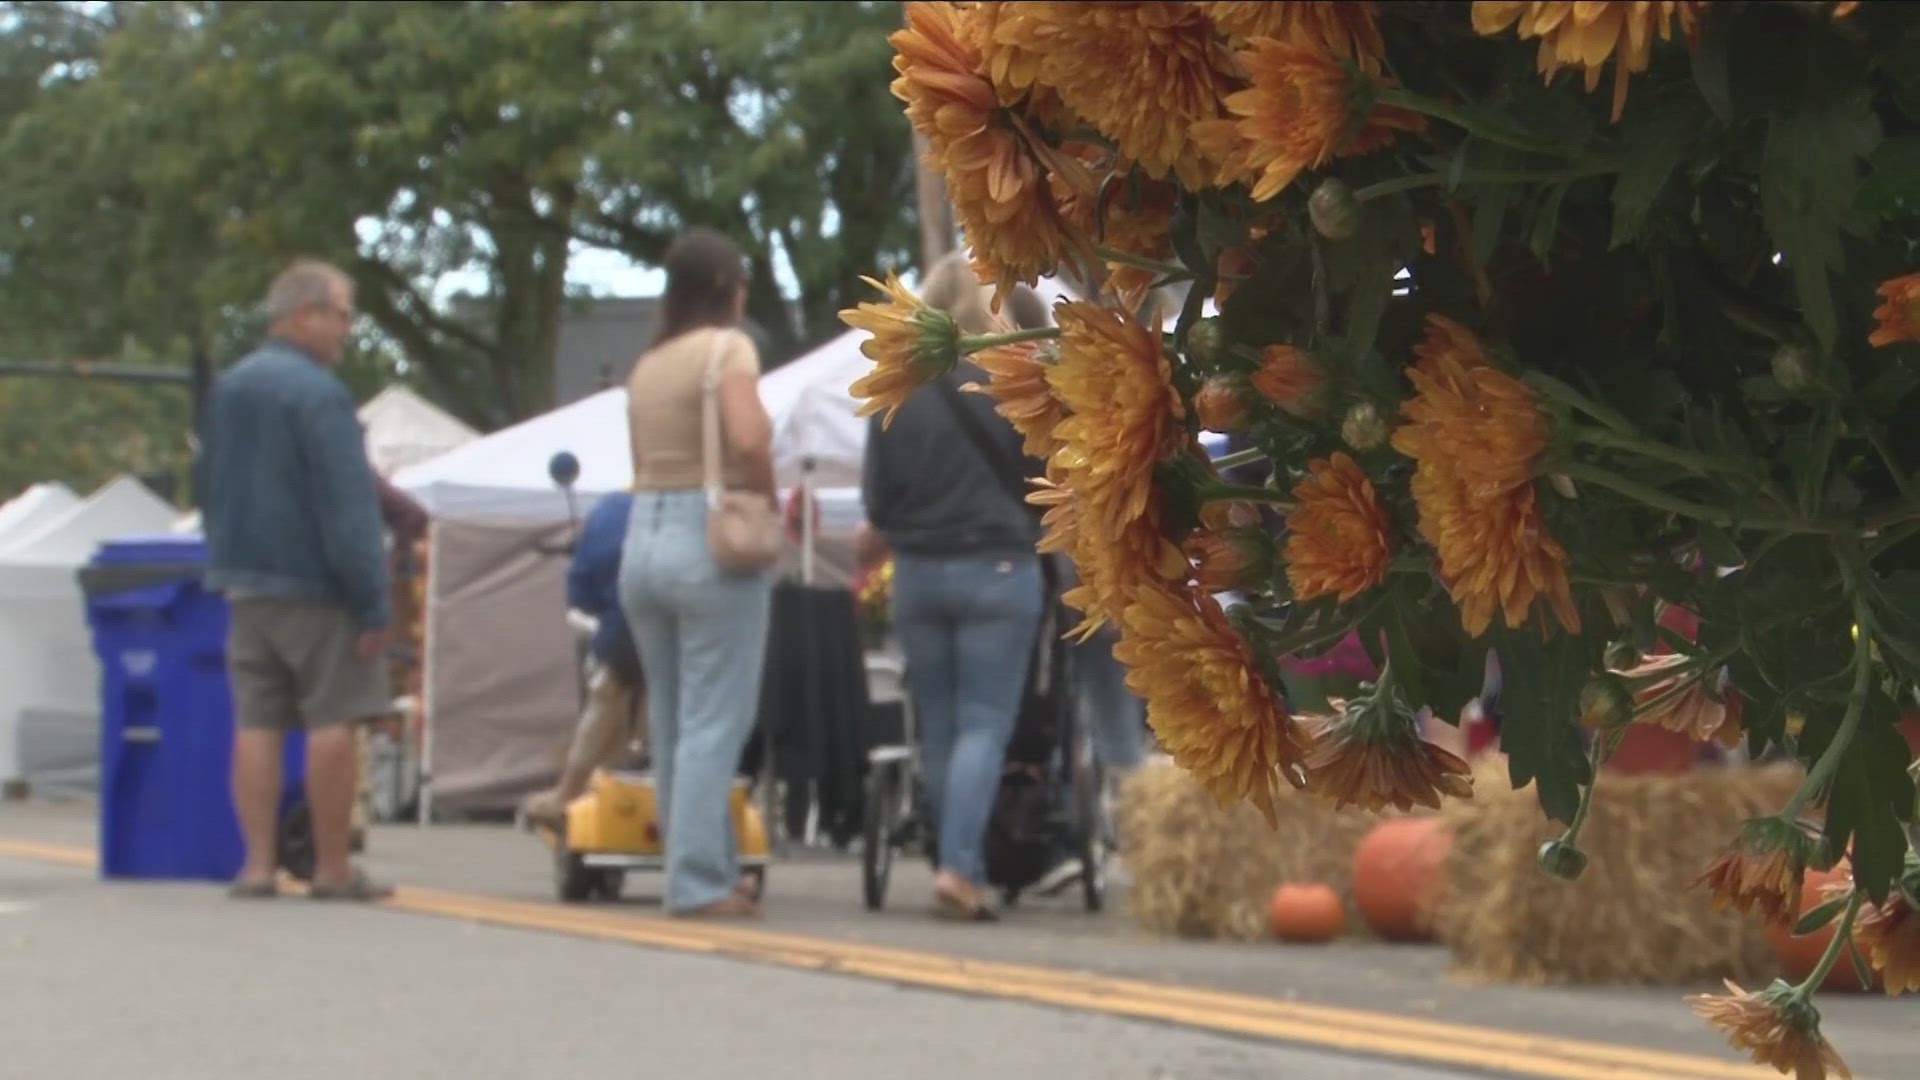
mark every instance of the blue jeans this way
{"type": "Point", "coordinates": [1115, 717]}
{"type": "Point", "coordinates": [968, 627]}
{"type": "Point", "coordinates": [702, 637]}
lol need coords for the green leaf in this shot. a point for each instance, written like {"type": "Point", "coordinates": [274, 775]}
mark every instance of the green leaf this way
{"type": "Point", "coordinates": [1538, 706]}
{"type": "Point", "coordinates": [1870, 798]}
{"type": "Point", "coordinates": [1710, 71]}
{"type": "Point", "coordinates": [1819, 916]}
{"type": "Point", "coordinates": [1717, 545]}
{"type": "Point", "coordinates": [1657, 142]}
{"type": "Point", "coordinates": [1810, 178]}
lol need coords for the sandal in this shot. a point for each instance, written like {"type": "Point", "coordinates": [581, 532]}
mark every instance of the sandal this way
{"type": "Point", "coordinates": [359, 888]}
{"type": "Point", "coordinates": [254, 890]}
{"type": "Point", "coordinates": [953, 908]}
{"type": "Point", "coordinates": [734, 906]}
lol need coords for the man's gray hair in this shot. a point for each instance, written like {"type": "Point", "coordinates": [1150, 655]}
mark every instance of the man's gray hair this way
{"type": "Point", "coordinates": [306, 283]}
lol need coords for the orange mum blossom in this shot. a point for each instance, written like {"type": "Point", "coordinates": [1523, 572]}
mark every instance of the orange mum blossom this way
{"type": "Point", "coordinates": [1293, 118]}
{"type": "Point", "coordinates": [910, 344]}
{"type": "Point", "coordinates": [1291, 378]}
{"type": "Point", "coordinates": [1778, 1026]}
{"type": "Point", "coordinates": [1585, 33]}
{"type": "Point", "coordinates": [1889, 936]}
{"type": "Point", "coordinates": [1762, 870]}
{"type": "Point", "coordinates": [1207, 698]}
{"type": "Point", "coordinates": [1017, 382]}
{"type": "Point", "coordinates": [1475, 434]}
{"type": "Point", "coordinates": [1345, 28]}
{"type": "Point", "coordinates": [1899, 311]}
{"type": "Point", "coordinates": [1228, 559]}
{"type": "Point", "coordinates": [1699, 705]}
{"type": "Point", "coordinates": [1337, 541]}
{"type": "Point", "coordinates": [1142, 73]}
{"type": "Point", "coordinates": [1370, 755]}
{"type": "Point", "coordinates": [997, 177]}
{"type": "Point", "coordinates": [1129, 222]}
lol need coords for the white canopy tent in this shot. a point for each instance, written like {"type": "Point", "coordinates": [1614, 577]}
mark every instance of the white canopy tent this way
{"type": "Point", "coordinates": [405, 429]}
{"type": "Point", "coordinates": [49, 676]}
{"type": "Point", "coordinates": [36, 504]}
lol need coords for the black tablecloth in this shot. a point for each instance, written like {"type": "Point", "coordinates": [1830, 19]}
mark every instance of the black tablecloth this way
{"type": "Point", "coordinates": [814, 708]}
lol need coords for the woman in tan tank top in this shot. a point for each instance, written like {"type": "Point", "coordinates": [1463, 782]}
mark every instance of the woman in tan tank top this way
{"type": "Point", "coordinates": [701, 631]}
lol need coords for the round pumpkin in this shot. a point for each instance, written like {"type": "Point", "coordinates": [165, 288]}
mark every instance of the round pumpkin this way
{"type": "Point", "coordinates": [1799, 955]}
{"type": "Point", "coordinates": [1397, 878]}
{"type": "Point", "coordinates": [1306, 911]}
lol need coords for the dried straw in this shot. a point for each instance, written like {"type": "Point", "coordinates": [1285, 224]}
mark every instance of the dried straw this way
{"type": "Point", "coordinates": [1205, 870]}
{"type": "Point", "coordinates": [1634, 916]}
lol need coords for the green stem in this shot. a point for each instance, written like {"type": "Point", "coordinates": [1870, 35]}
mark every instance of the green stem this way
{"type": "Point", "coordinates": [1567, 395]}
{"type": "Point", "coordinates": [1222, 492]}
{"type": "Point", "coordinates": [1842, 935]}
{"type": "Point", "coordinates": [1140, 262]}
{"type": "Point", "coordinates": [1426, 106]}
{"type": "Point", "coordinates": [1658, 451]}
{"type": "Point", "coordinates": [1900, 479]}
{"type": "Point", "coordinates": [1249, 456]}
{"type": "Point", "coordinates": [1660, 500]}
{"type": "Point", "coordinates": [1603, 748]}
{"type": "Point", "coordinates": [973, 343]}
{"type": "Point", "coordinates": [1480, 176]}
{"type": "Point", "coordinates": [1823, 769]}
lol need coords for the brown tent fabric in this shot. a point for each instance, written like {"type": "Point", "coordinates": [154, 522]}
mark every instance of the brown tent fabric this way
{"type": "Point", "coordinates": [501, 678]}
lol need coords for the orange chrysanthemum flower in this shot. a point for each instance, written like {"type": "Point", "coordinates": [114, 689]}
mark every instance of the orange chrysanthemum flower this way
{"type": "Point", "coordinates": [1336, 532]}
{"type": "Point", "coordinates": [1775, 1027]}
{"type": "Point", "coordinates": [1686, 703]}
{"type": "Point", "coordinates": [1143, 73]}
{"type": "Point", "coordinates": [999, 180]}
{"type": "Point", "coordinates": [1889, 935]}
{"type": "Point", "coordinates": [1344, 28]}
{"type": "Point", "coordinates": [1220, 405]}
{"type": "Point", "coordinates": [1114, 381]}
{"type": "Point", "coordinates": [1899, 311]}
{"type": "Point", "coordinates": [1293, 118]}
{"type": "Point", "coordinates": [1377, 762]}
{"type": "Point", "coordinates": [1206, 698]}
{"type": "Point", "coordinates": [910, 344]}
{"type": "Point", "coordinates": [1225, 560]}
{"type": "Point", "coordinates": [1017, 382]}
{"type": "Point", "coordinates": [1760, 871]}
{"type": "Point", "coordinates": [1475, 433]}
{"type": "Point", "coordinates": [1290, 378]}
{"type": "Point", "coordinates": [1585, 33]}
{"type": "Point", "coordinates": [1128, 219]}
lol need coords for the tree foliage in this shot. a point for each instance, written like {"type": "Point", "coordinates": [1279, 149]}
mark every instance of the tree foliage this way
{"type": "Point", "coordinates": [159, 160]}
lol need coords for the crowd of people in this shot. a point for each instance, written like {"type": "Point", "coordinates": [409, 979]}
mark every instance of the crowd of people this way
{"type": "Point", "coordinates": [294, 522]}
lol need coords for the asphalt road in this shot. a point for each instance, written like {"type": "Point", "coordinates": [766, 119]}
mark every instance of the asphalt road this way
{"type": "Point", "coordinates": [175, 982]}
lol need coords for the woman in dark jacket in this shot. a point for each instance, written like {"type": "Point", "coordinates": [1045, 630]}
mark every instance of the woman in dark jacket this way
{"type": "Point", "coordinates": [968, 589]}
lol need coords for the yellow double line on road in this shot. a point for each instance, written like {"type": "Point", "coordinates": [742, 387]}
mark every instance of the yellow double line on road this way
{"type": "Point", "coordinates": [1350, 1030]}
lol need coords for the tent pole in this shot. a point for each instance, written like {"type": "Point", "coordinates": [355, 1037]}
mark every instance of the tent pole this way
{"type": "Point", "coordinates": [807, 530]}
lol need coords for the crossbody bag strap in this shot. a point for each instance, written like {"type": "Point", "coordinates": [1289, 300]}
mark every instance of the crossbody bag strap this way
{"type": "Point", "coordinates": [710, 420]}
{"type": "Point", "coordinates": [1004, 465]}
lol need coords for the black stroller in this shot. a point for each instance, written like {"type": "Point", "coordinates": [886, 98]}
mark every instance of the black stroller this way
{"type": "Point", "coordinates": [1049, 804]}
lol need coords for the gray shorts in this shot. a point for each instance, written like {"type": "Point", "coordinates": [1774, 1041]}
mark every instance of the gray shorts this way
{"type": "Point", "coordinates": [293, 663]}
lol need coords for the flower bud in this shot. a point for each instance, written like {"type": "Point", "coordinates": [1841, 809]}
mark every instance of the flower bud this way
{"type": "Point", "coordinates": [1606, 703]}
{"type": "Point", "coordinates": [1204, 340]}
{"type": "Point", "coordinates": [1333, 209]}
{"type": "Point", "coordinates": [1290, 378]}
{"type": "Point", "coordinates": [1220, 406]}
{"type": "Point", "coordinates": [1562, 859]}
{"type": "Point", "coordinates": [1792, 368]}
{"type": "Point", "coordinates": [1364, 428]}
{"type": "Point", "coordinates": [1226, 561]}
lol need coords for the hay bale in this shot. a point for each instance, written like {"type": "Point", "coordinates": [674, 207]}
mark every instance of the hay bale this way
{"type": "Point", "coordinates": [1634, 916]}
{"type": "Point", "coordinates": [1204, 870]}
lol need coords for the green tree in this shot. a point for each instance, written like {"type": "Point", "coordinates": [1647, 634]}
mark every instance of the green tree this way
{"type": "Point", "coordinates": [185, 149]}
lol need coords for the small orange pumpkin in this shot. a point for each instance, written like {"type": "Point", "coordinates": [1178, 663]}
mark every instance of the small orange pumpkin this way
{"type": "Point", "coordinates": [1799, 955]}
{"type": "Point", "coordinates": [1397, 880]}
{"type": "Point", "coordinates": [1306, 911]}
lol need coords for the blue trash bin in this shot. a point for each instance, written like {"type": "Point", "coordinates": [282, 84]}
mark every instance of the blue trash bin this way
{"type": "Point", "coordinates": [166, 714]}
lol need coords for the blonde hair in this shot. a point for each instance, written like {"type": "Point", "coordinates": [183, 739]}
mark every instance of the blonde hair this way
{"type": "Point", "coordinates": [952, 287]}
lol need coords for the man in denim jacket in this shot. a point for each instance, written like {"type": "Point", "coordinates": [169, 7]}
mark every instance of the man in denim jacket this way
{"type": "Point", "coordinates": [295, 542]}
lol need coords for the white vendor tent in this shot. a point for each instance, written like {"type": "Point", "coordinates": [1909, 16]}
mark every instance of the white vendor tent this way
{"type": "Point", "coordinates": [36, 504]}
{"type": "Point", "coordinates": [49, 677]}
{"type": "Point", "coordinates": [405, 429]}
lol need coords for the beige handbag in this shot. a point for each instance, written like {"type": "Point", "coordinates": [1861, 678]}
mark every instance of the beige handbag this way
{"type": "Point", "coordinates": [743, 530]}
